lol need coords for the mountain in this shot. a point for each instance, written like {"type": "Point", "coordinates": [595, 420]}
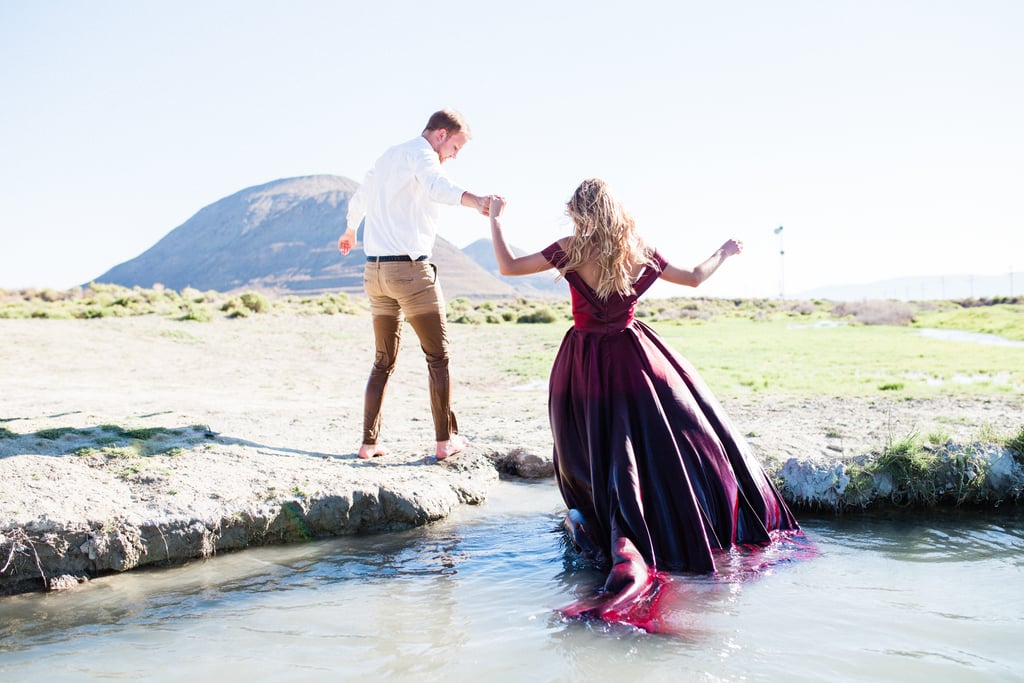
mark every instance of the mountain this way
{"type": "Point", "coordinates": [281, 237]}
{"type": "Point", "coordinates": [924, 288]}
{"type": "Point", "coordinates": [539, 285]}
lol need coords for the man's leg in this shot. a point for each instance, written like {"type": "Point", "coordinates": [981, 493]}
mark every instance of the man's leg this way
{"type": "Point", "coordinates": [423, 304]}
{"type": "Point", "coordinates": [433, 335]}
{"type": "Point", "coordinates": [387, 332]}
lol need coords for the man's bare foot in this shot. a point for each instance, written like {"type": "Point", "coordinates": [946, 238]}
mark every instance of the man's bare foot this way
{"type": "Point", "coordinates": [454, 444]}
{"type": "Point", "coordinates": [371, 450]}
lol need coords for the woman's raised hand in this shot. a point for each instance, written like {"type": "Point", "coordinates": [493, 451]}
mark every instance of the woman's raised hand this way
{"type": "Point", "coordinates": [497, 205]}
{"type": "Point", "coordinates": [732, 247]}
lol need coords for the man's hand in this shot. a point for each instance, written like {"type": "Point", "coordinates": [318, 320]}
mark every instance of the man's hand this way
{"type": "Point", "coordinates": [346, 242]}
{"type": "Point", "coordinates": [476, 202]}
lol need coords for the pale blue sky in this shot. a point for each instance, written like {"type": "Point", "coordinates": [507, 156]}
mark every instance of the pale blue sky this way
{"type": "Point", "coordinates": [885, 136]}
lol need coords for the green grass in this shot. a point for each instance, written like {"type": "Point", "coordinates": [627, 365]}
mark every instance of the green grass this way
{"type": "Point", "coordinates": [116, 442]}
{"type": "Point", "coordinates": [1005, 320]}
{"type": "Point", "coordinates": [740, 356]}
{"type": "Point", "coordinates": [1015, 444]}
{"type": "Point", "coordinates": [740, 346]}
{"type": "Point", "coordinates": [55, 433]}
{"type": "Point", "coordinates": [907, 474]}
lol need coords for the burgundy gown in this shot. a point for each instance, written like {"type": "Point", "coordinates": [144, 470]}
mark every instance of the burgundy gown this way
{"type": "Point", "coordinates": [655, 476]}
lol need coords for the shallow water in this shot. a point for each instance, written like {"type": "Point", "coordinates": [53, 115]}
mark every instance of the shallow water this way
{"type": "Point", "coordinates": [940, 598]}
{"type": "Point", "coordinates": [969, 337]}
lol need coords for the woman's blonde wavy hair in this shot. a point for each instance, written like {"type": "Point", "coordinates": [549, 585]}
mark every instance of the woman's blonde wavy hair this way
{"type": "Point", "coordinates": [606, 234]}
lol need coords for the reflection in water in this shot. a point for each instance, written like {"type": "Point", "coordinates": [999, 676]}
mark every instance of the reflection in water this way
{"type": "Point", "coordinates": [937, 537]}
{"type": "Point", "coordinates": [886, 599]}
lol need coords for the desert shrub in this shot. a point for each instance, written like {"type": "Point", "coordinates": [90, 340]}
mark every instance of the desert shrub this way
{"type": "Point", "coordinates": [254, 301]}
{"type": "Point", "coordinates": [52, 295]}
{"type": "Point", "coordinates": [803, 308]}
{"type": "Point", "coordinates": [193, 295]}
{"type": "Point", "coordinates": [991, 301]}
{"type": "Point", "coordinates": [875, 312]}
{"type": "Point", "coordinates": [329, 303]}
{"type": "Point", "coordinates": [540, 315]}
{"type": "Point", "coordinates": [196, 313]}
{"type": "Point", "coordinates": [468, 317]}
{"type": "Point", "coordinates": [91, 312]}
{"type": "Point", "coordinates": [41, 313]}
{"type": "Point", "coordinates": [336, 303]}
{"type": "Point", "coordinates": [458, 306]}
{"type": "Point", "coordinates": [242, 305]}
{"type": "Point", "coordinates": [692, 314]}
{"type": "Point", "coordinates": [235, 309]}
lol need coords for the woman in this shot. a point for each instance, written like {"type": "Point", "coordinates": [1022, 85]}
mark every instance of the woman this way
{"type": "Point", "coordinates": [653, 473]}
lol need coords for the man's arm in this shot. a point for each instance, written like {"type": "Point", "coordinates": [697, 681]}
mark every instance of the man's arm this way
{"type": "Point", "coordinates": [356, 211]}
{"type": "Point", "coordinates": [472, 201]}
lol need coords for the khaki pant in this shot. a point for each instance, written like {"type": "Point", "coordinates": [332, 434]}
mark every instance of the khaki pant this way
{"type": "Point", "coordinates": [410, 288]}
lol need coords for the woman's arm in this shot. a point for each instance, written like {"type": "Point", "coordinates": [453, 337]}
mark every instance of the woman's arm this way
{"type": "Point", "coordinates": [508, 263]}
{"type": "Point", "coordinates": [692, 278]}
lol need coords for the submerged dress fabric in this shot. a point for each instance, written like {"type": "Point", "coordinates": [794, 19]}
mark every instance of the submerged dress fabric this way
{"type": "Point", "coordinates": [655, 476]}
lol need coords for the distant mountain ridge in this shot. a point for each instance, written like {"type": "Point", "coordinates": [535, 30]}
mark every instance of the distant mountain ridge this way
{"type": "Point", "coordinates": [924, 288]}
{"type": "Point", "coordinates": [540, 285]}
{"type": "Point", "coordinates": [281, 237]}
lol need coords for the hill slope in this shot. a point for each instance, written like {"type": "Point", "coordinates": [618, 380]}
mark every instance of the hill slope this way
{"type": "Point", "coordinates": [541, 284]}
{"type": "Point", "coordinates": [280, 237]}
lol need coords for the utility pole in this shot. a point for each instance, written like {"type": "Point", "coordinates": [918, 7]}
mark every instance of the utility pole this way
{"type": "Point", "coordinates": [782, 267]}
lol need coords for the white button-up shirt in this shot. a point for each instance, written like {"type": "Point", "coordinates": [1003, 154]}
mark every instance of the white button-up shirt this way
{"type": "Point", "coordinates": [399, 198]}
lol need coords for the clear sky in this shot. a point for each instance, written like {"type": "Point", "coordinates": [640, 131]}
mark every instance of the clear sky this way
{"type": "Point", "coordinates": [884, 136]}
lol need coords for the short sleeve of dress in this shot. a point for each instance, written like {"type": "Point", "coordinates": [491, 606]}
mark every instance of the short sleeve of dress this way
{"type": "Point", "coordinates": [554, 254]}
{"type": "Point", "coordinates": [652, 272]}
{"type": "Point", "coordinates": [659, 261]}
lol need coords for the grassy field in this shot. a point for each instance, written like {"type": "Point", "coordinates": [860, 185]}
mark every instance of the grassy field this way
{"type": "Point", "coordinates": [785, 357]}
{"type": "Point", "coordinates": [814, 356]}
{"type": "Point", "coordinates": [871, 348]}
{"type": "Point", "coordinates": [744, 348]}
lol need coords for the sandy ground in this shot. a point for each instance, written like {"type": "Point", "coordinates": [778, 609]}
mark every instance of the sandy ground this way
{"type": "Point", "coordinates": [267, 410]}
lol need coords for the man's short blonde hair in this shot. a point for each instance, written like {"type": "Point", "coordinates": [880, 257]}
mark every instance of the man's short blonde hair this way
{"type": "Point", "coordinates": [449, 120]}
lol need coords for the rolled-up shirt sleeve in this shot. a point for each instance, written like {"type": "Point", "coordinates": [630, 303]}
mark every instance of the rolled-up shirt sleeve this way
{"type": "Point", "coordinates": [400, 198]}
{"type": "Point", "coordinates": [437, 184]}
{"type": "Point", "coordinates": [358, 202]}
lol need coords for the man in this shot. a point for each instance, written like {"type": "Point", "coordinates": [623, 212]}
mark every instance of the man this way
{"type": "Point", "coordinates": [399, 199]}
